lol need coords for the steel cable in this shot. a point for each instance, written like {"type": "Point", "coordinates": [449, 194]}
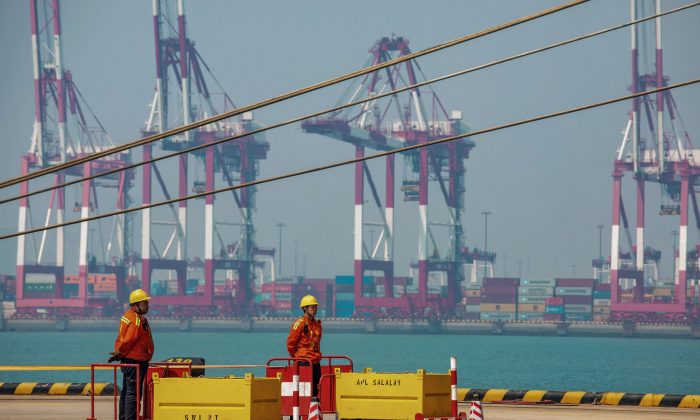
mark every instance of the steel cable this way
{"type": "Point", "coordinates": [289, 95]}
{"type": "Point", "coordinates": [351, 104]}
{"type": "Point", "coordinates": [360, 159]}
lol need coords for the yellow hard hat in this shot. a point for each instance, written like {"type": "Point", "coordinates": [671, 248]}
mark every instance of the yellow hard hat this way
{"type": "Point", "coordinates": [308, 300]}
{"type": "Point", "coordinates": [138, 295]}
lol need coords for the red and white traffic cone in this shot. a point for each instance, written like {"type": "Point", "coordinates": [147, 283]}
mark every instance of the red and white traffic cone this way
{"type": "Point", "coordinates": [475, 411]}
{"type": "Point", "coordinates": [314, 409]}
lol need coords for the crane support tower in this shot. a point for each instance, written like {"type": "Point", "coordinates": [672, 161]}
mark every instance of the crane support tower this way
{"type": "Point", "coordinates": [66, 129]}
{"type": "Point", "coordinates": [182, 95]}
{"type": "Point", "coordinates": [655, 148]}
{"type": "Point", "coordinates": [411, 117]}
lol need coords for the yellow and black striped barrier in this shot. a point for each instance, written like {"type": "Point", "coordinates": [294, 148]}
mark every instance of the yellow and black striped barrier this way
{"type": "Point", "coordinates": [54, 388]}
{"type": "Point", "coordinates": [579, 397]}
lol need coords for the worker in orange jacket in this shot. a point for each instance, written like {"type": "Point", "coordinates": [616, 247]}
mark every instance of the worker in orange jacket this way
{"type": "Point", "coordinates": [134, 345]}
{"type": "Point", "coordinates": [304, 340]}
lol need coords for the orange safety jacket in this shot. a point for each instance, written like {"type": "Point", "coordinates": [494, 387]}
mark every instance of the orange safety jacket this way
{"type": "Point", "coordinates": [134, 340]}
{"type": "Point", "coordinates": [305, 339]}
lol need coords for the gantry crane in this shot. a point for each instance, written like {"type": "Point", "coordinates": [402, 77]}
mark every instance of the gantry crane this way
{"type": "Point", "coordinates": [182, 95]}
{"type": "Point", "coordinates": [415, 116]}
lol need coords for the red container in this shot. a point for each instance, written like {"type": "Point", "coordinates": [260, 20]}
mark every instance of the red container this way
{"type": "Point", "coordinates": [602, 287]}
{"type": "Point", "coordinates": [552, 317]}
{"type": "Point", "coordinates": [578, 300]}
{"type": "Point", "coordinates": [554, 301]}
{"type": "Point", "coordinates": [575, 282]}
{"type": "Point", "coordinates": [280, 287]}
{"type": "Point", "coordinates": [473, 300]}
{"type": "Point", "coordinates": [492, 290]}
{"type": "Point", "coordinates": [499, 299]}
{"type": "Point", "coordinates": [501, 282]}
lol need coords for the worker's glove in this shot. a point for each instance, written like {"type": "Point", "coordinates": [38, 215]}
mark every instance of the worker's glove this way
{"type": "Point", "coordinates": [115, 357]}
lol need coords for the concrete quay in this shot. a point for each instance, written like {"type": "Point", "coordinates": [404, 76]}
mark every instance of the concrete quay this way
{"type": "Point", "coordinates": [78, 407]}
{"type": "Point", "coordinates": [337, 325]}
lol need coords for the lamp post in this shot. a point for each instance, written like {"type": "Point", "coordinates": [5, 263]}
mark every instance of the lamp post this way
{"type": "Point", "coordinates": [600, 250]}
{"type": "Point", "coordinates": [486, 234]}
{"type": "Point", "coordinates": [520, 269]}
{"type": "Point", "coordinates": [573, 267]}
{"type": "Point", "coordinates": [280, 225]}
{"type": "Point", "coordinates": [505, 260]}
{"type": "Point", "coordinates": [296, 246]}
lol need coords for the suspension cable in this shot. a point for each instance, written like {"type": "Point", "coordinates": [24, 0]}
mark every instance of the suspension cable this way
{"type": "Point", "coordinates": [351, 104]}
{"type": "Point", "coordinates": [360, 159]}
{"type": "Point", "coordinates": [289, 95]}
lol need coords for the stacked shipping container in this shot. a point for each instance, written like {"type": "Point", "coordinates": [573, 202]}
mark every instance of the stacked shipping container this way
{"type": "Point", "coordinates": [578, 298]}
{"type": "Point", "coordinates": [499, 297]}
{"type": "Point", "coordinates": [472, 302]}
{"type": "Point", "coordinates": [532, 294]}
{"type": "Point", "coordinates": [601, 302]}
{"type": "Point", "coordinates": [344, 296]}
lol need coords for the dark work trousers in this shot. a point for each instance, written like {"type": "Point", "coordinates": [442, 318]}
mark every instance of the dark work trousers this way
{"type": "Point", "coordinates": [127, 401]}
{"type": "Point", "coordinates": [316, 376]}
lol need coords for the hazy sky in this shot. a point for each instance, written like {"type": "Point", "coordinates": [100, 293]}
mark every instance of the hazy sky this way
{"type": "Point", "coordinates": [547, 184]}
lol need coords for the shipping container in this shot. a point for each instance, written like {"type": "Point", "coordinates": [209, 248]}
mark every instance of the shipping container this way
{"type": "Point", "coordinates": [578, 300]}
{"type": "Point", "coordinates": [574, 291]}
{"type": "Point", "coordinates": [663, 292]}
{"type": "Point", "coordinates": [601, 302]}
{"type": "Point", "coordinates": [472, 292]}
{"type": "Point", "coordinates": [531, 316]}
{"type": "Point", "coordinates": [501, 282]}
{"type": "Point", "coordinates": [536, 291]}
{"type": "Point", "coordinates": [528, 307]}
{"type": "Point", "coordinates": [601, 318]}
{"type": "Point", "coordinates": [345, 279]}
{"type": "Point", "coordinates": [554, 301]}
{"type": "Point", "coordinates": [472, 300]}
{"type": "Point", "coordinates": [493, 290]}
{"type": "Point", "coordinates": [602, 287]}
{"type": "Point", "coordinates": [577, 308]}
{"type": "Point", "coordinates": [604, 310]}
{"type": "Point", "coordinates": [345, 288]}
{"type": "Point", "coordinates": [512, 299]}
{"type": "Point", "coordinates": [532, 299]}
{"type": "Point", "coordinates": [346, 297]}
{"type": "Point", "coordinates": [280, 287]}
{"type": "Point", "coordinates": [575, 282]}
{"type": "Point", "coordinates": [554, 309]}
{"type": "Point", "coordinates": [472, 308]}
{"type": "Point", "coordinates": [579, 317]}
{"type": "Point", "coordinates": [538, 282]}
{"type": "Point", "coordinates": [498, 316]}
{"type": "Point", "coordinates": [497, 307]}
{"type": "Point", "coordinates": [597, 294]}
{"type": "Point", "coordinates": [553, 317]}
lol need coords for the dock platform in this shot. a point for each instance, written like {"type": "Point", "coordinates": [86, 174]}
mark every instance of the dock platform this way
{"type": "Point", "coordinates": [28, 407]}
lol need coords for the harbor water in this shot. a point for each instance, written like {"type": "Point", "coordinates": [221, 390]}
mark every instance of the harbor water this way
{"type": "Point", "coordinates": [635, 365]}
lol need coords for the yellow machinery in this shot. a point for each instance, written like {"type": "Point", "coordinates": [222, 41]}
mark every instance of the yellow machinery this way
{"type": "Point", "coordinates": [228, 398]}
{"type": "Point", "coordinates": [370, 395]}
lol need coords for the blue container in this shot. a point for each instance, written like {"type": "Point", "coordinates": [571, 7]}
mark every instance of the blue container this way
{"type": "Point", "coordinates": [344, 304]}
{"type": "Point", "coordinates": [578, 317]}
{"type": "Point", "coordinates": [344, 313]}
{"type": "Point", "coordinates": [558, 309]}
{"type": "Point", "coordinates": [601, 295]}
{"type": "Point", "coordinates": [345, 297]}
{"type": "Point", "coordinates": [344, 279]}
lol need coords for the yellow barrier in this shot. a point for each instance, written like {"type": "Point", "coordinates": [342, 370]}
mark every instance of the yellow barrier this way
{"type": "Point", "coordinates": [228, 398]}
{"type": "Point", "coordinates": [370, 395]}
